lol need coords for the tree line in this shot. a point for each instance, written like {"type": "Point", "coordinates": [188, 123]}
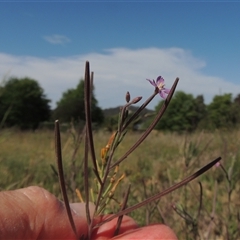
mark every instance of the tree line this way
{"type": "Point", "coordinates": [24, 104]}
{"type": "Point", "coordinates": [189, 113]}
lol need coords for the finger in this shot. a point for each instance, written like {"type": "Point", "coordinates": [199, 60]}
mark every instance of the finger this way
{"type": "Point", "coordinates": [158, 232]}
{"type": "Point", "coordinates": [106, 231]}
{"type": "Point", "coordinates": [34, 213]}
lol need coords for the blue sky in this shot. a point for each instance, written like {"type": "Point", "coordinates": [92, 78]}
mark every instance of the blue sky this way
{"type": "Point", "coordinates": [125, 42]}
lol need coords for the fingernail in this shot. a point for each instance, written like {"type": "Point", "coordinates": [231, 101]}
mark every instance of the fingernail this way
{"type": "Point", "coordinates": [79, 208]}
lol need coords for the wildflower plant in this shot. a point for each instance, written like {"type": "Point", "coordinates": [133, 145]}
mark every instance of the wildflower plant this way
{"type": "Point", "coordinates": [106, 167]}
{"type": "Point", "coordinates": [160, 86]}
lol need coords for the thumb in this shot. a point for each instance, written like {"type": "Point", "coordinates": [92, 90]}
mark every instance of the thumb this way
{"type": "Point", "coordinates": [34, 213]}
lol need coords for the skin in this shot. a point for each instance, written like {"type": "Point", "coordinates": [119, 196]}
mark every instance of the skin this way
{"type": "Point", "coordinates": [34, 213]}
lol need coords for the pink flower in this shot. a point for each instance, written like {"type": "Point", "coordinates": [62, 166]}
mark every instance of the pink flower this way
{"type": "Point", "coordinates": [159, 84]}
{"type": "Point", "coordinates": [218, 164]}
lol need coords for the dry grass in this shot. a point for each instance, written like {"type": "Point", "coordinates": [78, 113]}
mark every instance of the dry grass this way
{"type": "Point", "coordinates": [162, 160]}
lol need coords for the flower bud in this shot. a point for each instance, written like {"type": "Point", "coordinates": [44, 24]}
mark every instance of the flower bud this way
{"type": "Point", "coordinates": [127, 97]}
{"type": "Point", "coordinates": [136, 100]}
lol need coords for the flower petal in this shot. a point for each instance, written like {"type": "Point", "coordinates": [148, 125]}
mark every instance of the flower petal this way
{"type": "Point", "coordinates": [160, 80]}
{"type": "Point", "coordinates": [166, 90]}
{"type": "Point", "coordinates": [152, 82]}
{"type": "Point", "coordinates": [163, 94]}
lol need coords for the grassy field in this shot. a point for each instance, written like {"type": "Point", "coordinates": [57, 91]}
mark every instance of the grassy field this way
{"type": "Point", "coordinates": [161, 161]}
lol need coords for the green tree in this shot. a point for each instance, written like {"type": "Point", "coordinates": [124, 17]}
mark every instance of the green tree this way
{"type": "Point", "coordinates": [236, 110]}
{"type": "Point", "coordinates": [200, 111]}
{"type": "Point", "coordinates": [220, 112]}
{"type": "Point", "coordinates": [25, 102]}
{"type": "Point", "coordinates": [183, 113]}
{"type": "Point", "coordinates": [71, 106]}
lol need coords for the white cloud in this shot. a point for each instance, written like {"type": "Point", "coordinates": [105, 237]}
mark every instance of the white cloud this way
{"type": "Point", "coordinates": [118, 71]}
{"type": "Point", "coordinates": [57, 39]}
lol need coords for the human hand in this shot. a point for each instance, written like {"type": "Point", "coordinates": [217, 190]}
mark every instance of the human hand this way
{"type": "Point", "coordinates": [34, 213]}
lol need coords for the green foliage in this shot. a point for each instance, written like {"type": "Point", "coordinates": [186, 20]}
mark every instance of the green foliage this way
{"type": "Point", "coordinates": [23, 103]}
{"type": "Point", "coordinates": [186, 113]}
{"type": "Point", "coordinates": [200, 111]}
{"type": "Point", "coordinates": [71, 106]}
{"type": "Point", "coordinates": [183, 114]}
{"type": "Point", "coordinates": [236, 111]}
{"type": "Point", "coordinates": [111, 117]}
{"type": "Point", "coordinates": [220, 112]}
{"type": "Point", "coordinates": [111, 123]}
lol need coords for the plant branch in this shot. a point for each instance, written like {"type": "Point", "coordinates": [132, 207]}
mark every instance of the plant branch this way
{"type": "Point", "coordinates": [87, 98]}
{"type": "Point", "coordinates": [150, 128]}
{"type": "Point", "coordinates": [61, 175]}
{"type": "Point", "coordinates": [163, 193]}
